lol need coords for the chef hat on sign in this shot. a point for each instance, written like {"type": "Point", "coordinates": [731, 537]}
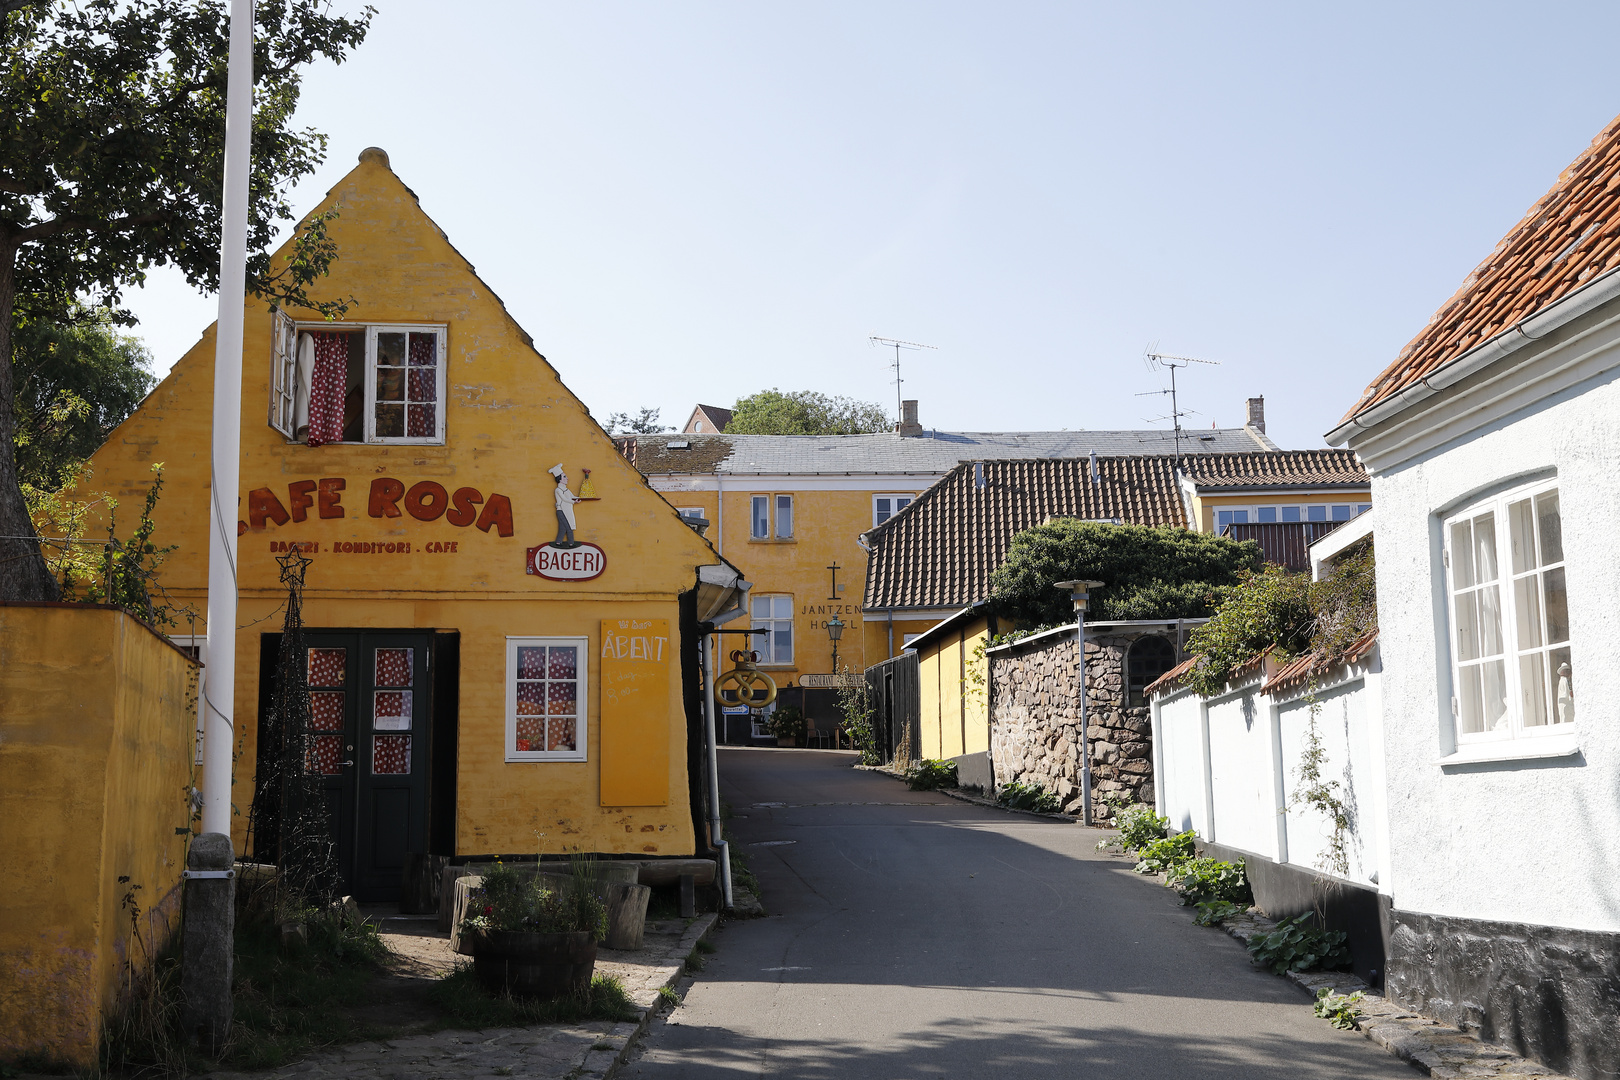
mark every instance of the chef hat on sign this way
{"type": "Point", "coordinates": [555, 471]}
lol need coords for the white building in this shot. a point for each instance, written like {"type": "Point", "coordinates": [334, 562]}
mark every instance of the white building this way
{"type": "Point", "coordinates": [1493, 443]}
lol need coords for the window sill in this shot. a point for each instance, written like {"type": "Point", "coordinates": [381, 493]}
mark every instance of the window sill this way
{"type": "Point", "coordinates": [1522, 749]}
{"type": "Point", "coordinates": [772, 540]}
{"type": "Point", "coordinates": [541, 758]}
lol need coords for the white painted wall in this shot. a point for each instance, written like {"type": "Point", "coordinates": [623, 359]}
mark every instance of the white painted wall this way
{"type": "Point", "coordinates": [1342, 723]}
{"type": "Point", "coordinates": [1535, 840]}
{"type": "Point", "coordinates": [1240, 763]}
{"type": "Point", "coordinates": [1178, 747]}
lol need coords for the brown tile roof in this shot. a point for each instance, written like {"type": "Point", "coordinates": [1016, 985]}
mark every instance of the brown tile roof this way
{"type": "Point", "coordinates": [717, 417]}
{"type": "Point", "coordinates": [1283, 468]}
{"type": "Point", "coordinates": [940, 551]}
{"type": "Point", "coordinates": [1566, 240]}
{"type": "Point", "coordinates": [1299, 670]}
{"type": "Point", "coordinates": [675, 453]}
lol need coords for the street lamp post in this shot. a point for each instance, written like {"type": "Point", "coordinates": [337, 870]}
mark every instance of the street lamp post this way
{"type": "Point", "coordinates": [1080, 594]}
{"type": "Point", "coordinates": [835, 630]}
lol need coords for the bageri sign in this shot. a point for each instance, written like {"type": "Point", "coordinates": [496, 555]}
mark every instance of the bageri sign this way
{"type": "Point", "coordinates": [581, 562]}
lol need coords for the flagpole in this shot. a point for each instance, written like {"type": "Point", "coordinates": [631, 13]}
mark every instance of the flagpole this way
{"type": "Point", "coordinates": [220, 684]}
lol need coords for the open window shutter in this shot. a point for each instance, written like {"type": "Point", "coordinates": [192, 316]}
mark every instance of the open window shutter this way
{"type": "Point", "coordinates": [283, 375]}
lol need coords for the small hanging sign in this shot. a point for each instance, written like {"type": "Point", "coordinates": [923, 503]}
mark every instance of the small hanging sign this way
{"type": "Point", "coordinates": [581, 561]}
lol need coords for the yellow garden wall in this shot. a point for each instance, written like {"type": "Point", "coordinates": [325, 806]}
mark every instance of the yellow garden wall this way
{"type": "Point", "coordinates": [953, 704]}
{"type": "Point", "coordinates": [96, 746]}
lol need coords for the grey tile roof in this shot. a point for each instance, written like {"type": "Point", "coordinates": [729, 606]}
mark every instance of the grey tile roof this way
{"type": "Point", "coordinates": [935, 452]}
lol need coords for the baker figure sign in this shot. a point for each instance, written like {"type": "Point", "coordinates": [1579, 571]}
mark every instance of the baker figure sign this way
{"type": "Point", "coordinates": [565, 509]}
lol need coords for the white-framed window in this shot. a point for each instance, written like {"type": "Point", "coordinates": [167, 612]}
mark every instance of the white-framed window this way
{"type": "Point", "coordinates": [885, 507]}
{"type": "Point", "coordinates": [773, 613]}
{"type": "Point", "coordinates": [759, 527]}
{"type": "Point", "coordinates": [547, 695]}
{"type": "Point", "coordinates": [357, 383]}
{"type": "Point", "coordinates": [1508, 604]}
{"type": "Point", "coordinates": [1242, 515]}
{"type": "Point", "coordinates": [770, 517]}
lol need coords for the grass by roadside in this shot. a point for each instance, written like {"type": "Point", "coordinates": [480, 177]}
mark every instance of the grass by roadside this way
{"type": "Point", "coordinates": [462, 1000]}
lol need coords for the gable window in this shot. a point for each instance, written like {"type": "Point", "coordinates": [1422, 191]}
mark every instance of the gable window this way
{"type": "Point", "coordinates": [546, 698]}
{"type": "Point", "coordinates": [1510, 662]}
{"type": "Point", "coordinates": [349, 383]}
{"type": "Point", "coordinates": [1150, 657]}
{"type": "Point", "coordinates": [773, 613]}
{"type": "Point", "coordinates": [885, 507]}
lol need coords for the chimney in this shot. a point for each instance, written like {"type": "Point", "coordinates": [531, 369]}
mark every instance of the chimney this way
{"type": "Point", "coordinates": [908, 420]}
{"type": "Point", "coordinates": [1257, 414]}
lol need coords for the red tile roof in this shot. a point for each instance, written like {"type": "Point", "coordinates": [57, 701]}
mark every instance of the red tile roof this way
{"type": "Point", "coordinates": [1297, 671]}
{"type": "Point", "coordinates": [1298, 468]}
{"type": "Point", "coordinates": [1568, 238]}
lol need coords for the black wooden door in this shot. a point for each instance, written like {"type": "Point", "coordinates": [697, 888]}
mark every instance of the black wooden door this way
{"type": "Point", "coordinates": [369, 744]}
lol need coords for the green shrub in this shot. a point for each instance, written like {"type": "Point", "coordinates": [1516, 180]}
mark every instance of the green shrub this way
{"type": "Point", "coordinates": [460, 996]}
{"type": "Point", "coordinates": [1161, 855]}
{"type": "Point", "coordinates": [931, 775]}
{"type": "Point", "coordinates": [1298, 945]}
{"type": "Point", "coordinates": [1139, 826]}
{"type": "Point", "coordinates": [1339, 1009]}
{"type": "Point", "coordinates": [1212, 912]}
{"type": "Point", "coordinates": [1198, 880]}
{"type": "Point", "coordinates": [508, 900]}
{"type": "Point", "coordinates": [1021, 796]}
{"type": "Point", "coordinates": [787, 722]}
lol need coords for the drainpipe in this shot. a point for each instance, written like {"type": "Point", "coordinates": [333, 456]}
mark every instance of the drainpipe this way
{"type": "Point", "coordinates": [714, 776]}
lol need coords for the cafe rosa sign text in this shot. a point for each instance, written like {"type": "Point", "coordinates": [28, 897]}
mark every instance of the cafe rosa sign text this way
{"type": "Point", "coordinates": [580, 562]}
{"type": "Point", "coordinates": [425, 500]}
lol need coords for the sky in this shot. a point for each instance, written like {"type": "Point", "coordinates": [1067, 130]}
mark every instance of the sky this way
{"type": "Point", "coordinates": [693, 202]}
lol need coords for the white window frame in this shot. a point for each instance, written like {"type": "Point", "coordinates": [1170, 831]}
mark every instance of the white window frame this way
{"type": "Point", "coordinates": [778, 503]}
{"type": "Point", "coordinates": [1357, 508]}
{"type": "Point", "coordinates": [768, 656]}
{"type": "Point", "coordinates": [891, 496]}
{"type": "Point", "coordinates": [581, 720]}
{"type": "Point", "coordinates": [759, 520]}
{"type": "Point", "coordinates": [1514, 730]}
{"type": "Point", "coordinates": [284, 375]}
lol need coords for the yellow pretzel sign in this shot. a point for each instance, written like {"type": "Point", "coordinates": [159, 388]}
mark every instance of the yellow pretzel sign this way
{"type": "Point", "coordinates": [744, 685]}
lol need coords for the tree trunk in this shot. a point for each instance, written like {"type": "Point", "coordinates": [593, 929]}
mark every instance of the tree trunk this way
{"type": "Point", "coordinates": [23, 573]}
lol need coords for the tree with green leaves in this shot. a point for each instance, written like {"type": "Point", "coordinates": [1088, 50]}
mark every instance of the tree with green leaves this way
{"type": "Point", "coordinates": [74, 381]}
{"type": "Point", "coordinates": [805, 412]}
{"type": "Point", "coordinates": [1165, 572]}
{"type": "Point", "coordinates": [112, 144]}
{"type": "Point", "coordinates": [645, 422]}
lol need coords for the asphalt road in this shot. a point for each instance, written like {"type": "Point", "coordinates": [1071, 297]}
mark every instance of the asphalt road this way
{"type": "Point", "coordinates": [912, 935]}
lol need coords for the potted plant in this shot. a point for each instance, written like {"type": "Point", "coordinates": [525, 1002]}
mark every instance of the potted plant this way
{"type": "Point", "coordinates": [536, 936]}
{"type": "Point", "coordinates": [788, 725]}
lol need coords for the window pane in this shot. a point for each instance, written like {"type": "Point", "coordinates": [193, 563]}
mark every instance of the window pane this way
{"type": "Point", "coordinates": [784, 516]}
{"type": "Point", "coordinates": [1485, 547]}
{"type": "Point", "coordinates": [880, 511]}
{"type": "Point", "coordinates": [422, 421]}
{"type": "Point", "coordinates": [561, 734]}
{"type": "Point", "coordinates": [424, 349]}
{"type": "Point", "coordinates": [783, 607]}
{"type": "Point", "coordinates": [1522, 535]}
{"type": "Point", "coordinates": [390, 421]}
{"type": "Point", "coordinates": [901, 503]}
{"type": "Point", "coordinates": [1552, 532]}
{"type": "Point", "coordinates": [326, 666]}
{"type": "Point", "coordinates": [1468, 626]}
{"type": "Point", "coordinates": [326, 710]}
{"type": "Point", "coordinates": [1362, 508]}
{"type": "Point", "coordinates": [392, 667]}
{"type": "Point", "coordinates": [1527, 611]}
{"type": "Point", "coordinates": [761, 608]}
{"type": "Point", "coordinates": [1557, 601]}
{"type": "Point", "coordinates": [531, 698]}
{"type": "Point", "coordinates": [1266, 514]}
{"type": "Point", "coordinates": [531, 733]}
{"type": "Point", "coordinates": [761, 509]}
{"type": "Point", "coordinates": [1470, 717]}
{"type": "Point", "coordinates": [1563, 681]}
{"type": "Point", "coordinates": [563, 662]}
{"type": "Point", "coordinates": [1493, 694]}
{"type": "Point", "coordinates": [422, 384]}
{"type": "Point", "coordinates": [1341, 512]}
{"type": "Point", "coordinates": [1290, 513]}
{"type": "Point", "coordinates": [784, 642]}
{"type": "Point", "coordinates": [390, 755]}
{"type": "Point", "coordinates": [1316, 513]}
{"type": "Point", "coordinates": [390, 384]}
{"type": "Point", "coordinates": [1490, 621]}
{"type": "Point", "coordinates": [391, 710]}
{"type": "Point", "coordinates": [391, 349]}
{"type": "Point", "coordinates": [1533, 689]}
{"type": "Point", "coordinates": [321, 755]}
{"type": "Point", "coordinates": [560, 698]}
{"type": "Point", "coordinates": [531, 662]}
{"type": "Point", "coordinates": [1462, 555]}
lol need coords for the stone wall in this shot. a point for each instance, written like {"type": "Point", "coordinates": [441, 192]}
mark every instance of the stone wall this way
{"type": "Point", "coordinates": [1035, 721]}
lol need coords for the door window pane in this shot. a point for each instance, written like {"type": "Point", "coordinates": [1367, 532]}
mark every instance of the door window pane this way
{"type": "Point", "coordinates": [390, 755]}
{"type": "Point", "coordinates": [326, 710]}
{"type": "Point", "coordinates": [391, 710]}
{"type": "Point", "coordinates": [322, 755]}
{"type": "Point", "coordinates": [393, 667]}
{"type": "Point", "coordinates": [327, 667]}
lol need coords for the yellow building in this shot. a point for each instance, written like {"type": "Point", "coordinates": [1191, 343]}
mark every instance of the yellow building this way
{"type": "Point", "coordinates": [501, 615]}
{"type": "Point", "coordinates": [786, 509]}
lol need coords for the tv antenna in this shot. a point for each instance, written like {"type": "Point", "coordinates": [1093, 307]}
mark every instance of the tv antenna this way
{"type": "Point", "coordinates": [891, 343]}
{"type": "Point", "coordinates": [1172, 364]}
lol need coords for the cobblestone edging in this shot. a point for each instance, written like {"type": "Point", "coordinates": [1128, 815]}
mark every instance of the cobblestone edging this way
{"type": "Point", "coordinates": [1427, 1045]}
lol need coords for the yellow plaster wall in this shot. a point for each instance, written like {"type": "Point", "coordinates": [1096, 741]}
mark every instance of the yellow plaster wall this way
{"type": "Point", "coordinates": [1204, 506]}
{"type": "Point", "coordinates": [96, 732]}
{"type": "Point", "coordinates": [953, 708]}
{"type": "Point", "coordinates": [509, 418]}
